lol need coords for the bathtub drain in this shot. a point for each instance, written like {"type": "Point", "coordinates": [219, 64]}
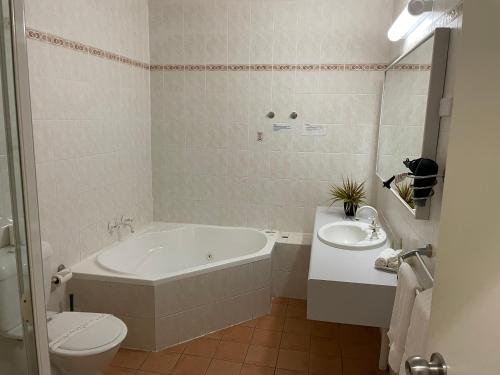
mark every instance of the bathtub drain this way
{"type": "Point", "coordinates": [210, 257]}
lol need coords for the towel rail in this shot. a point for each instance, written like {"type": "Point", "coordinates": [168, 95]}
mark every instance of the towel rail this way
{"type": "Point", "coordinates": [427, 251]}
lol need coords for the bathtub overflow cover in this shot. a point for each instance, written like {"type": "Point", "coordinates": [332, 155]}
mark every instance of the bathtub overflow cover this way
{"type": "Point", "coordinates": [210, 256]}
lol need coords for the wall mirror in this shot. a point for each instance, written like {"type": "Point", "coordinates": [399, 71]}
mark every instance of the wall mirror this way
{"type": "Point", "coordinates": [409, 114]}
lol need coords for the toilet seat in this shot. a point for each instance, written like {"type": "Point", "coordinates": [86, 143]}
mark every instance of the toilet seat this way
{"type": "Point", "coordinates": [84, 334]}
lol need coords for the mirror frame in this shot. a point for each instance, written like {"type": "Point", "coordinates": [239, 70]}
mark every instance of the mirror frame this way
{"type": "Point", "coordinates": [432, 115]}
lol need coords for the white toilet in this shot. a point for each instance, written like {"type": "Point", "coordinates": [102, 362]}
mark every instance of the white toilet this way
{"type": "Point", "coordinates": [79, 343]}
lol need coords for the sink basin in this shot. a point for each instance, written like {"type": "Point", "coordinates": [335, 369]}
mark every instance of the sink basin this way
{"type": "Point", "coordinates": [350, 235]}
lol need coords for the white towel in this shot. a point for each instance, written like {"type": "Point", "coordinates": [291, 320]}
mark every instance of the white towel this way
{"type": "Point", "coordinates": [388, 258]}
{"type": "Point", "coordinates": [419, 324]}
{"type": "Point", "coordinates": [401, 313]}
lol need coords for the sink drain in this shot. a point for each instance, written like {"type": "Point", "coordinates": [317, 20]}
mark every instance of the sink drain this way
{"type": "Point", "coordinates": [210, 257]}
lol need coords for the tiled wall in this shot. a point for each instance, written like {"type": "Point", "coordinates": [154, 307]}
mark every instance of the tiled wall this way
{"type": "Point", "coordinates": [221, 65]}
{"type": "Point", "coordinates": [447, 13]}
{"type": "Point", "coordinates": [290, 266]}
{"type": "Point", "coordinates": [91, 120]}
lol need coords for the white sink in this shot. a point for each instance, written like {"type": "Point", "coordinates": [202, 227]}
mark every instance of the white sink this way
{"type": "Point", "coordinates": [350, 235]}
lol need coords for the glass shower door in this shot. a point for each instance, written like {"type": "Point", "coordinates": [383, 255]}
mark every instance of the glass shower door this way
{"type": "Point", "coordinates": [18, 352]}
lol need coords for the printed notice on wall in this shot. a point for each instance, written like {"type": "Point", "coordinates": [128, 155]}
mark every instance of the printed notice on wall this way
{"type": "Point", "coordinates": [278, 127]}
{"type": "Point", "coordinates": [313, 130]}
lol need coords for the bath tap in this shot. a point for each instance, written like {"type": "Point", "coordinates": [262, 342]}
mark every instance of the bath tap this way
{"type": "Point", "coordinates": [113, 226]}
{"type": "Point", "coordinates": [127, 222]}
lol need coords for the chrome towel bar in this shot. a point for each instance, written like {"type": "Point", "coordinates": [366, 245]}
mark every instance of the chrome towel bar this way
{"type": "Point", "coordinates": [418, 253]}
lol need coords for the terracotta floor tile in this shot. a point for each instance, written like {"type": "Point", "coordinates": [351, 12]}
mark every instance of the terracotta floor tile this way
{"type": "Point", "coordinates": [129, 358]}
{"type": "Point", "coordinates": [359, 367]}
{"type": "Point", "coordinates": [264, 337]}
{"type": "Point", "coordinates": [295, 341]}
{"type": "Point", "coordinates": [281, 371]}
{"type": "Point", "coordinates": [296, 311]}
{"type": "Point", "coordinates": [324, 329]}
{"type": "Point", "coordinates": [293, 360]}
{"type": "Point", "coordinates": [218, 367]}
{"type": "Point", "coordinates": [176, 348]}
{"type": "Point", "coordinates": [112, 370]}
{"type": "Point", "coordinates": [217, 335]}
{"type": "Point", "coordinates": [295, 325]}
{"type": "Point", "coordinates": [366, 352]}
{"type": "Point", "coordinates": [280, 300]}
{"type": "Point", "coordinates": [261, 355]}
{"type": "Point", "coordinates": [278, 309]}
{"type": "Point", "coordinates": [358, 334]}
{"type": "Point", "coordinates": [273, 323]}
{"type": "Point", "coordinates": [238, 334]}
{"type": "Point", "coordinates": [162, 362]}
{"type": "Point", "coordinates": [202, 347]}
{"type": "Point", "coordinates": [325, 346]}
{"type": "Point", "coordinates": [249, 323]}
{"type": "Point", "coordinates": [249, 369]}
{"type": "Point", "coordinates": [191, 365]}
{"type": "Point", "coordinates": [325, 365]}
{"type": "Point", "coordinates": [231, 351]}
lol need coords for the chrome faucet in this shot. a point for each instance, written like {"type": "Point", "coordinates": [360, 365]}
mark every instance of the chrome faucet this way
{"type": "Point", "coordinates": [374, 227]}
{"type": "Point", "coordinates": [116, 225]}
{"type": "Point", "coordinates": [128, 221]}
{"type": "Point", "coordinates": [373, 210]}
{"type": "Point", "coordinates": [113, 226]}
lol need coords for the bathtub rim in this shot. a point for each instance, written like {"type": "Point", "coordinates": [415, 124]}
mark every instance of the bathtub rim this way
{"type": "Point", "coordinates": [90, 269]}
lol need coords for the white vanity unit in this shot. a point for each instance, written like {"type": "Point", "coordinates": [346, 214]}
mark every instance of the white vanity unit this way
{"type": "Point", "coordinates": [343, 285]}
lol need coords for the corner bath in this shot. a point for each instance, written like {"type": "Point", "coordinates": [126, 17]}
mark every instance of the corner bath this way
{"type": "Point", "coordinates": [173, 282]}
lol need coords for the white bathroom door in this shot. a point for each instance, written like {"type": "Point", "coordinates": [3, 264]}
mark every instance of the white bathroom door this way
{"type": "Point", "coordinates": [465, 318]}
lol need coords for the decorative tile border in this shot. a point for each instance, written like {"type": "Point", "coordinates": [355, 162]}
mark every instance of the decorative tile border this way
{"type": "Point", "coordinates": [271, 67]}
{"type": "Point", "coordinates": [97, 52]}
{"type": "Point", "coordinates": [411, 67]}
{"type": "Point", "coordinates": [58, 41]}
{"type": "Point", "coordinates": [83, 48]}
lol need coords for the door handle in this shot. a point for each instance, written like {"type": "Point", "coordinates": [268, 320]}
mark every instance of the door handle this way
{"type": "Point", "coordinates": [420, 366]}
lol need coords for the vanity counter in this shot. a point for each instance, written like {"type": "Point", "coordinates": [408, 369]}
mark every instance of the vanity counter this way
{"type": "Point", "coordinates": [343, 285]}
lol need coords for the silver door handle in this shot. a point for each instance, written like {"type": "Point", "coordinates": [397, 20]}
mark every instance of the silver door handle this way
{"type": "Point", "coordinates": [419, 366]}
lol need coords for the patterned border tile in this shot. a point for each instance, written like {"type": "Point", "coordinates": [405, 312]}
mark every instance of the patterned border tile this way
{"type": "Point", "coordinates": [83, 48]}
{"type": "Point", "coordinates": [273, 67]}
{"type": "Point", "coordinates": [412, 67]}
{"type": "Point", "coordinates": [97, 52]}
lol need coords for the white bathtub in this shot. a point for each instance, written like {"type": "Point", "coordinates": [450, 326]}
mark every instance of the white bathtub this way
{"type": "Point", "coordinates": [174, 282]}
{"type": "Point", "coordinates": [168, 251]}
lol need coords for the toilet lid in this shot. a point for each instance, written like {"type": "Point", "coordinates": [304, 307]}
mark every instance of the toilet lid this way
{"type": "Point", "coordinates": [75, 331]}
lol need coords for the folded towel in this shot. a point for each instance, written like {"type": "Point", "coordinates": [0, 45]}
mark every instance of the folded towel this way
{"type": "Point", "coordinates": [419, 324]}
{"type": "Point", "coordinates": [388, 258]}
{"type": "Point", "coordinates": [401, 313]}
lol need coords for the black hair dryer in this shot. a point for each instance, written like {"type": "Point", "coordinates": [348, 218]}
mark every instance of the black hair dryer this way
{"type": "Point", "coordinates": [422, 185]}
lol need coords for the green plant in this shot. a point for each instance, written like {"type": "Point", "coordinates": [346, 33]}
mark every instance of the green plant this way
{"type": "Point", "coordinates": [406, 193]}
{"type": "Point", "coordinates": [352, 193]}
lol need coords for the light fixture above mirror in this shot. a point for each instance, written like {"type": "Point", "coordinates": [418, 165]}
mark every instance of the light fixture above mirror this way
{"type": "Point", "coordinates": [410, 18]}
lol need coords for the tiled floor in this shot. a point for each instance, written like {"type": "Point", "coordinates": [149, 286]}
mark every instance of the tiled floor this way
{"type": "Point", "coordinates": [282, 343]}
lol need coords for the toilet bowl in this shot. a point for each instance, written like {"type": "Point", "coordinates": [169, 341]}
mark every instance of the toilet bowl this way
{"type": "Point", "coordinates": [80, 343]}
{"type": "Point", "coordinates": [83, 343]}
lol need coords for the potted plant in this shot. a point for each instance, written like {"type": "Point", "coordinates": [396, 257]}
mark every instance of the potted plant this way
{"type": "Point", "coordinates": [351, 193]}
{"type": "Point", "coordinates": [406, 193]}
